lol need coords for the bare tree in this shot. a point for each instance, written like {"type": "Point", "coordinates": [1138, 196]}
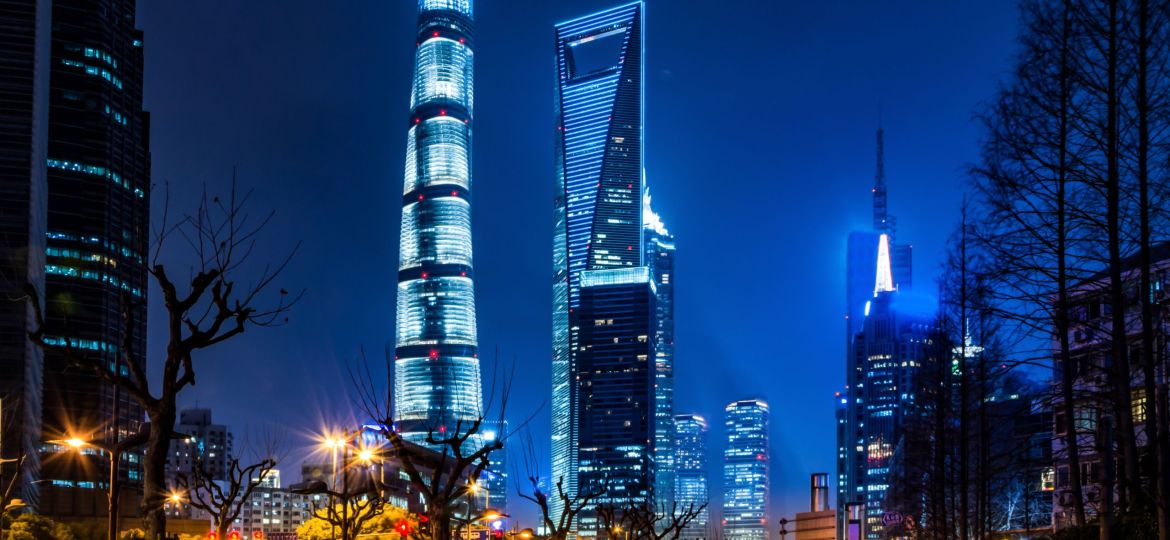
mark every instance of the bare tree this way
{"type": "Point", "coordinates": [452, 457]}
{"type": "Point", "coordinates": [641, 521]}
{"type": "Point", "coordinates": [224, 498]}
{"type": "Point", "coordinates": [349, 515]}
{"type": "Point", "coordinates": [209, 308]}
{"type": "Point", "coordinates": [558, 526]}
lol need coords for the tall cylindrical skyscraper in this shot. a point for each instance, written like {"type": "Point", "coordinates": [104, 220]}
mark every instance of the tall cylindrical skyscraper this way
{"type": "Point", "coordinates": [437, 367]}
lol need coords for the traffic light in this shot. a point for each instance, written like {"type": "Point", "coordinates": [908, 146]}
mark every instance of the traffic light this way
{"type": "Point", "coordinates": [403, 528]}
{"type": "Point", "coordinates": [234, 535]}
{"type": "Point", "coordinates": [212, 536]}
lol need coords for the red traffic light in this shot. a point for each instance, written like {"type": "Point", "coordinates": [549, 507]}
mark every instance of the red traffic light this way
{"type": "Point", "coordinates": [234, 535]}
{"type": "Point", "coordinates": [403, 528]}
{"type": "Point", "coordinates": [212, 536]}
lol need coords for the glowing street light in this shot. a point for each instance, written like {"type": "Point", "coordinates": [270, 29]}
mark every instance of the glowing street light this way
{"type": "Point", "coordinates": [114, 454]}
{"type": "Point", "coordinates": [490, 515]}
{"type": "Point", "coordinates": [365, 455]}
{"type": "Point", "coordinates": [526, 533]}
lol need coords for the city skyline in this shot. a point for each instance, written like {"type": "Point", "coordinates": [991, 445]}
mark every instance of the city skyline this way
{"type": "Point", "coordinates": [343, 348]}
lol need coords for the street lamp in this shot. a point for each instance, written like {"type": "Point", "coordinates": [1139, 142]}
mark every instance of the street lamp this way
{"type": "Point", "coordinates": [114, 452]}
{"type": "Point", "coordinates": [364, 456]}
{"type": "Point", "coordinates": [489, 514]}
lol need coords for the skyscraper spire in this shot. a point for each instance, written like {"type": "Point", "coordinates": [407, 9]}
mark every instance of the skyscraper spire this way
{"type": "Point", "coordinates": [885, 275]}
{"type": "Point", "coordinates": [881, 222]}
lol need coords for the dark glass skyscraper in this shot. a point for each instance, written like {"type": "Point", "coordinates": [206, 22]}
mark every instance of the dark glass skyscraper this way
{"type": "Point", "coordinates": [437, 379]}
{"type": "Point", "coordinates": [615, 380]}
{"type": "Point", "coordinates": [892, 348]}
{"type": "Point", "coordinates": [660, 260]}
{"type": "Point", "coordinates": [24, 117]}
{"type": "Point", "coordinates": [745, 471]}
{"type": "Point", "coordinates": [97, 241]}
{"type": "Point", "coordinates": [599, 272]}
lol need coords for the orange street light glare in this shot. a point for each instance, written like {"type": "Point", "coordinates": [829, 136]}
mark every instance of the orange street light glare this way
{"type": "Point", "coordinates": [75, 442]}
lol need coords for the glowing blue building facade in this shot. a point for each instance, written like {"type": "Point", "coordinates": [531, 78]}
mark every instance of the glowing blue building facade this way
{"type": "Point", "coordinates": [660, 259]}
{"type": "Point", "coordinates": [745, 471]}
{"type": "Point", "coordinates": [437, 380]}
{"type": "Point", "coordinates": [690, 455]}
{"type": "Point", "coordinates": [598, 239]}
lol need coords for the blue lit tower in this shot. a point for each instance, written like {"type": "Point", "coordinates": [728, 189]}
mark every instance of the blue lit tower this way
{"type": "Point", "coordinates": [660, 259]}
{"type": "Point", "coordinates": [745, 471]}
{"type": "Point", "coordinates": [437, 368]}
{"type": "Point", "coordinates": [598, 268]}
{"type": "Point", "coordinates": [691, 471]}
{"type": "Point", "coordinates": [860, 268]}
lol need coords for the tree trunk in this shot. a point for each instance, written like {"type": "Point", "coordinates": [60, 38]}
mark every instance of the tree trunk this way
{"type": "Point", "coordinates": [1119, 334]}
{"type": "Point", "coordinates": [1108, 476]}
{"type": "Point", "coordinates": [440, 524]}
{"type": "Point", "coordinates": [154, 483]}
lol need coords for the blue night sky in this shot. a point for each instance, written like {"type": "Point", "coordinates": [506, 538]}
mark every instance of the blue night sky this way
{"type": "Point", "coordinates": [760, 124]}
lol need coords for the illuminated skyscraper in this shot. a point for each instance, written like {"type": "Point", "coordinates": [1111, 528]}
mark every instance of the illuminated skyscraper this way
{"type": "Point", "coordinates": [745, 471]}
{"type": "Point", "coordinates": [892, 348]}
{"type": "Point", "coordinates": [604, 321]}
{"type": "Point", "coordinates": [660, 259]}
{"type": "Point", "coordinates": [860, 269]}
{"type": "Point", "coordinates": [437, 380]}
{"type": "Point", "coordinates": [691, 471]}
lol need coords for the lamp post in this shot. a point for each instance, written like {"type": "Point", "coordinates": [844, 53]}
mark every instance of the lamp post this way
{"type": "Point", "coordinates": [365, 456]}
{"type": "Point", "coordinates": [114, 453]}
{"type": "Point", "coordinates": [489, 514]}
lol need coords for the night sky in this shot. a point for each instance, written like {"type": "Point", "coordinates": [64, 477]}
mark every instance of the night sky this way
{"type": "Point", "coordinates": [759, 152]}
